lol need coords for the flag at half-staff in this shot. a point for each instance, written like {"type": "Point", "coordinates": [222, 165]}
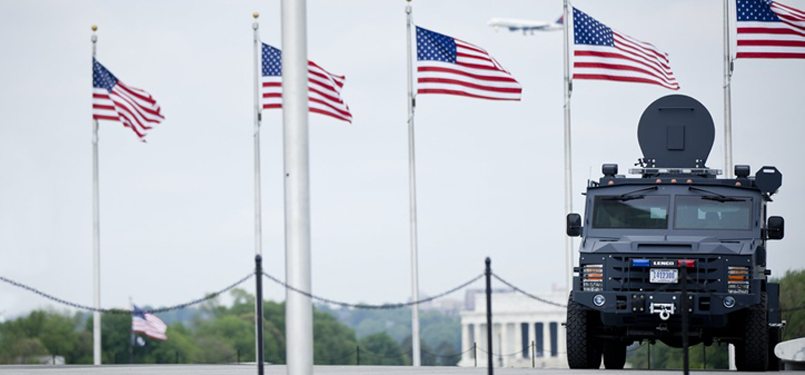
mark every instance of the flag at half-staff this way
{"type": "Point", "coordinates": [601, 53]}
{"type": "Point", "coordinates": [324, 88]}
{"type": "Point", "coordinates": [148, 324]}
{"type": "Point", "coordinates": [769, 30]}
{"type": "Point", "coordinates": [115, 101]}
{"type": "Point", "coordinates": [446, 65]}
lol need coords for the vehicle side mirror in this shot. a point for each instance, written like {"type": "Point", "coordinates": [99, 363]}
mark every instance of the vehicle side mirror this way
{"type": "Point", "coordinates": [775, 228]}
{"type": "Point", "coordinates": [574, 225]}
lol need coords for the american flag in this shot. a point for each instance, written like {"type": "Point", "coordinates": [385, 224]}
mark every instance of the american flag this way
{"type": "Point", "coordinates": [770, 30]}
{"type": "Point", "coordinates": [115, 101]}
{"type": "Point", "coordinates": [324, 88]}
{"type": "Point", "coordinates": [602, 53]}
{"type": "Point", "coordinates": [453, 67]}
{"type": "Point", "coordinates": [148, 324]}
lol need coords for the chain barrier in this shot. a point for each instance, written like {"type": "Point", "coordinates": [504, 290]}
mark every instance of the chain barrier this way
{"type": "Point", "coordinates": [543, 300]}
{"type": "Point", "coordinates": [123, 311]}
{"type": "Point", "coordinates": [307, 294]}
{"type": "Point", "coordinates": [445, 355]}
{"type": "Point", "coordinates": [385, 306]}
{"type": "Point", "coordinates": [365, 353]}
{"type": "Point", "coordinates": [540, 354]}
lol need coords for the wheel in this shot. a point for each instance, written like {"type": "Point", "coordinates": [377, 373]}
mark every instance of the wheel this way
{"type": "Point", "coordinates": [775, 336]}
{"type": "Point", "coordinates": [753, 353]}
{"type": "Point", "coordinates": [614, 355]}
{"type": "Point", "coordinates": [583, 351]}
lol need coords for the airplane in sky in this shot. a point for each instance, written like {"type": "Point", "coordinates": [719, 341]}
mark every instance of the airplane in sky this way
{"type": "Point", "coordinates": [526, 26]}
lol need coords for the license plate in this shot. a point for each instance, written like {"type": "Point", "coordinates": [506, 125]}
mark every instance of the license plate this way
{"type": "Point", "coordinates": [663, 275]}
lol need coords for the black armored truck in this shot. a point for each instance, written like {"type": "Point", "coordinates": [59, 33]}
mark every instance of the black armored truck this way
{"type": "Point", "coordinates": [674, 248]}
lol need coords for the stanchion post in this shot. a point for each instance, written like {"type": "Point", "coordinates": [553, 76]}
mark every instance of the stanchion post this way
{"type": "Point", "coordinates": [475, 352]}
{"type": "Point", "coordinates": [533, 354]}
{"type": "Point", "coordinates": [704, 356]}
{"type": "Point", "coordinates": [488, 274]}
{"type": "Point", "coordinates": [683, 304]}
{"type": "Point", "coordinates": [258, 277]}
{"type": "Point", "coordinates": [649, 356]}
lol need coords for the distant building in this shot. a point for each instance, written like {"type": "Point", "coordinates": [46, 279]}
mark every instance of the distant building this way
{"type": "Point", "coordinates": [522, 328]}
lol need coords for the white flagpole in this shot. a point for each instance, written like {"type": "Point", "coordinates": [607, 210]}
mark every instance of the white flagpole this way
{"type": "Point", "coordinates": [96, 234]}
{"type": "Point", "coordinates": [258, 208]}
{"type": "Point", "coordinates": [568, 87]}
{"type": "Point", "coordinates": [298, 308]}
{"type": "Point", "coordinates": [728, 171]}
{"type": "Point", "coordinates": [258, 221]}
{"type": "Point", "coordinates": [415, 351]}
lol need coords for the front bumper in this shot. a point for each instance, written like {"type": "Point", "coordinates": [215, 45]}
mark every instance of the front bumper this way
{"type": "Point", "coordinates": [652, 308]}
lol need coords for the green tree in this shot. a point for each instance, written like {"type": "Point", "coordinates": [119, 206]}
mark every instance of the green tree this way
{"type": "Point", "coordinates": [381, 349]}
{"type": "Point", "coordinates": [42, 333]}
{"type": "Point", "coordinates": [333, 343]}
{"type": "Point", "coordinates": [115, 337]}
{"type": "Point", "coordinates": [179, 348]}
{"type": "Point", "coordinates": [792, 303]}
{"type": "Point", "coordinates": [666, 357]}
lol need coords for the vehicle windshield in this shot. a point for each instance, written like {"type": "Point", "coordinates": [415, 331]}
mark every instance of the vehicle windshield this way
{"type": "Point", "coordinates": [704, 212]}
{"type": "Point", "coordinates": [631, 211]}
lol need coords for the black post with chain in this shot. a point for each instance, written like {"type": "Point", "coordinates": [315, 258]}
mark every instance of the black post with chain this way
{"type": "Point", "coordinates": [488, 274]}
{"type": "Point", "coordinates": [258, 272]}
{"type": "Point", "coordinates": [683, 304]}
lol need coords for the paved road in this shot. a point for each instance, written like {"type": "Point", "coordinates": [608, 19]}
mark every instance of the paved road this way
{"type": "Point", "coordinates": [325, 370]}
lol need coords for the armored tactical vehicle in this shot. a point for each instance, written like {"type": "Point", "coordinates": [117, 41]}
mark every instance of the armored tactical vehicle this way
{"type": "Point", "coordinates": [674, 237]}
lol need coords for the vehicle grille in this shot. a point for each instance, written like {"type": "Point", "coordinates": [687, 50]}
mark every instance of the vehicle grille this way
{"type": "Point", "coordinates": [622, 277]}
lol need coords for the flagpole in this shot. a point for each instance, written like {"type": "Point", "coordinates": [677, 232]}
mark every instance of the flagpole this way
{"type": "Point", "coordinates": [728, 172]}
{"type": "Point", "coordinates": [298, 307]}
{"type": "Point", "coordinates": [96, 233]}
{"type": "Point", "coordinates": [411, 100]}
{"type": "Point", "coordinates": [258, 221]}
{"type": "Point", "coordinates": [568, 88]}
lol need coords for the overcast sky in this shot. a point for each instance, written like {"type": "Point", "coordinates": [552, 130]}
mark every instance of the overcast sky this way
{"type": "Point", "coordinates": [177, 212]}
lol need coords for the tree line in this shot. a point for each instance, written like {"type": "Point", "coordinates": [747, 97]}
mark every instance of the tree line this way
{"type": "Point", "coordinates": [214, 333]}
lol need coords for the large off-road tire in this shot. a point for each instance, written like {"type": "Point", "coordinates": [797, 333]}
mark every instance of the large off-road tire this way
{"type": "Point", "coordinates": [752, 354]}
{"type": "Point", "coordinates": [614, 355]}
{"type": "Point", "coordinates": [583, 351]}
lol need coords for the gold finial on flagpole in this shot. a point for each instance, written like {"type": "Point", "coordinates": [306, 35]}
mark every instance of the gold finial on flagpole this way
{"type": "Point", "coordinates": [94, 28]}
{"type": "Point", "coordinates": [255, 14]}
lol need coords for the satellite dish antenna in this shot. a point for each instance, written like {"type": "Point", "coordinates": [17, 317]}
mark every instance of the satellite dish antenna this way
{"type": "Point", "coordinates": [676, 131]}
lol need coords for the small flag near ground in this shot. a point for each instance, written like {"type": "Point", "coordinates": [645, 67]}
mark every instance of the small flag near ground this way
{"type": "Point", "coordinates": [769, 30]}
{"type": "Point", "coordinates": [115, 101]}
{"type": "Point", "coordinates": [602, 53]}
{"type": "Point", "coordinates": [449, 66]}
{"type": "Point", "coordinates": [324, 88]}
{"type": "Point", "coordinates": [148, 324]}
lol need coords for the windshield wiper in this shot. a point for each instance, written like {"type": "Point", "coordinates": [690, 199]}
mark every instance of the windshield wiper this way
{"type": "Point", "coordinates": [716, 196]}
{"type": "Point", "coordinates": [631, 195]}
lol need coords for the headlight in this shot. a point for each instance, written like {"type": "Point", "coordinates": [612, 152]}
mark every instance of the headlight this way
{"type": "Point", "coordinates": [593, 277]}
{"type": "Point", "coordinates": [738, 280]}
